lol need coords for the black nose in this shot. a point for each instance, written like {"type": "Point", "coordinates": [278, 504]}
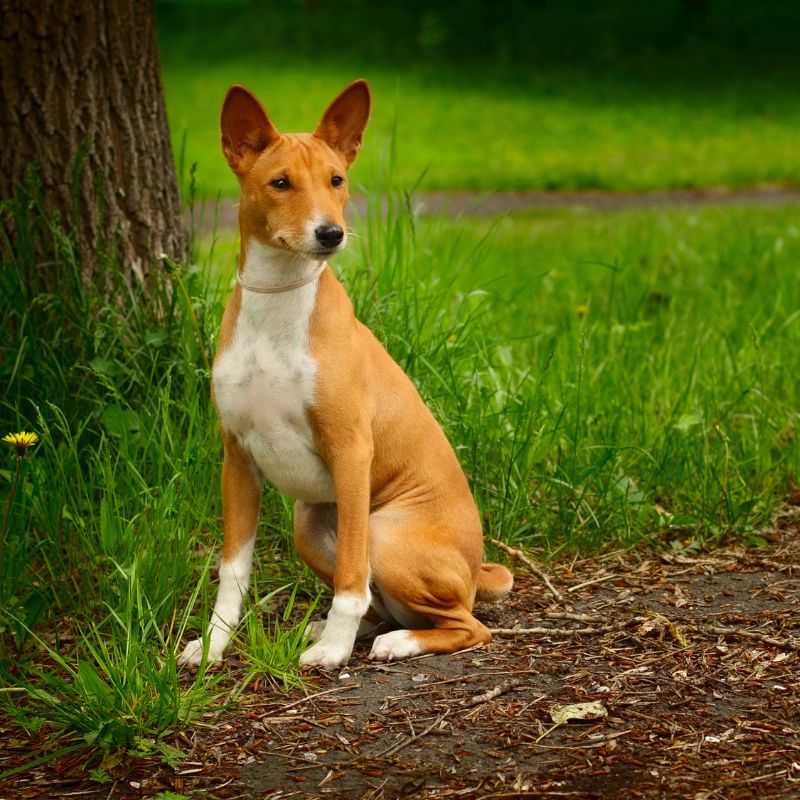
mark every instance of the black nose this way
{"type": "Point", "coordinates": [329, 235]}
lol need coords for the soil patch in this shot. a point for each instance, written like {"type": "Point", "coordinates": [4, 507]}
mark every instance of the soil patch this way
{"type": "Point", "coordinates": [693, 659]}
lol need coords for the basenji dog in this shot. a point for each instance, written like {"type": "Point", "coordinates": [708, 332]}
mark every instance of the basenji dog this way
{"type": "Point", "coordinates": [308, 399]}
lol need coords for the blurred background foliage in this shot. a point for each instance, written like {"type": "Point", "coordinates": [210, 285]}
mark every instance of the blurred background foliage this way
{"type": "Point", "coordinates": [484, 95]}
{"type": "Point", "coordinates": [502, 39]}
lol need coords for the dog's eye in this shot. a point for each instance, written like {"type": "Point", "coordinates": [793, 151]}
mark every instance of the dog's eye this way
{"type": "Point", "coordinates": [337, 181]}
{"type": "Point", "coordinates": [281, 184]}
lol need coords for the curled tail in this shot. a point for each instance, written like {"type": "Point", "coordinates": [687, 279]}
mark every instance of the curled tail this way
{"type": "Point", "coordinates": [494, 583]}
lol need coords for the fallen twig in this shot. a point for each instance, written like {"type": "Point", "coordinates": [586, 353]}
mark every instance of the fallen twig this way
{"type": "Point", "coordinates": [720, 630]}
{"type": "Point", "coordinates": [593, 581]}
{"type": "Point", "coordinates": [501, 688]}
{"type": "Point", "coordinates": [511, 632]}
{"type": "Point", "coordinates": [584, 746]}
{"type": "Point", "coordinates": [536, 570]}
{"type": "Point", "coordinates": [574, 616]}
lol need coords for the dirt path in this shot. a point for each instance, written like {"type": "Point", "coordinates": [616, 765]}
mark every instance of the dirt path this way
{"type": "Point", "coordinates": [692, 658]}
{"type": "Point", "coordinates": [490, 204]}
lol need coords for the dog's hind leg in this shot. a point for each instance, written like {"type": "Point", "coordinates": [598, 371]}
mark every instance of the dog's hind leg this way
{"type": "Point", "coordinates": [427, 575]}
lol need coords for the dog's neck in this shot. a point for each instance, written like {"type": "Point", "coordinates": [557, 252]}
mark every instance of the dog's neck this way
{"type": "Point", "coordinates": [267, 266]}
{"type": "Point", "coordinates": [280, 315]}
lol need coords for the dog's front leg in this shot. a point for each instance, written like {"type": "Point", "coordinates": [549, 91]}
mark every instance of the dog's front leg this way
{"type": "Point", "coordinates": [241, 500]}
{"type": "Point", "coordinates": [350, 471]}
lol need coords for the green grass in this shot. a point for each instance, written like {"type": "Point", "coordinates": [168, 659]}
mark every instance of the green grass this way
{"type": "Point", "coordinates": [541, 136]}
{"type": "Point", "coordinates": [614, 96]}
{"type": "Point", "coordinates": [608, 380]}
{"type": "Point", "coordinates": [651, 349]}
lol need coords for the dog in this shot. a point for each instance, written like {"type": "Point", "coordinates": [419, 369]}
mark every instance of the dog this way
{"type": "Point", "coordinates": [308, 399]}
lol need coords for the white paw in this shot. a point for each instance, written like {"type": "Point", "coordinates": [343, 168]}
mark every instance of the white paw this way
{"type": "Point", "coordinates": [314, 630]}
{"type": "Point", "coordinates": [393, 645]}
{"type": "Point", "coordinates": [326, 654]}
{"type": "Point", "coordinates": [192, 654]}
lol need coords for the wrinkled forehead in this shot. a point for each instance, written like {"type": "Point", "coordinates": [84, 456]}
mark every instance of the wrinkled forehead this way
{"type": "Point", "coordinates": [298, 154]}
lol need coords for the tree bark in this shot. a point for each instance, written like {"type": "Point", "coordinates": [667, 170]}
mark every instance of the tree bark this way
{"type": "Point", "coordinates": [82, 99]}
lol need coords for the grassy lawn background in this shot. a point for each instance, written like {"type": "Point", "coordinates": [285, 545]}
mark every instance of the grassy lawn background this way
{"type": "Point", "coordinates": [607, 377]}
{"type": "Point", "coordinates": [545, 95]}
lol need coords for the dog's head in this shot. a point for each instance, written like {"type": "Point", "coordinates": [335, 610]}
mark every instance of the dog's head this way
{"type": "Point", "coordinates": [294, 186]}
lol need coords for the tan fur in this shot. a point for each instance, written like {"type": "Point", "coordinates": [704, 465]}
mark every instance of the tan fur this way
{"type": "Point", "coordinates": [404, 519]}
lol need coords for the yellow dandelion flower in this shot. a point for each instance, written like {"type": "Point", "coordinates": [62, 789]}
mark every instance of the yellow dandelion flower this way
{"type": "Point", "coordinates": [582, 310]}
{"type": "Point", "coordinates": [22, 440]}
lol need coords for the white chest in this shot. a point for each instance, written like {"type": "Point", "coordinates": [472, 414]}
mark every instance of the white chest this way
{"type": "Point", "coordinates": [263, 385]}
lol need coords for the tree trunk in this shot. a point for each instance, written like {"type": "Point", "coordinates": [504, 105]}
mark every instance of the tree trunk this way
{"type": "Point", "coordinates": [82, 99]}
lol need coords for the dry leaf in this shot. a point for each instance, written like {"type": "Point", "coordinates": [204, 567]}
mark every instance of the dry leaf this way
{"type": "Point", "coordinates": [578, 711]}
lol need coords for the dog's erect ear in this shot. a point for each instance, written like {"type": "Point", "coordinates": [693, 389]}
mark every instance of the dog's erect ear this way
{"type": "Point", "coordinates": [342, 125]}
{"type": "Point", "coordinates": [246, 129]}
